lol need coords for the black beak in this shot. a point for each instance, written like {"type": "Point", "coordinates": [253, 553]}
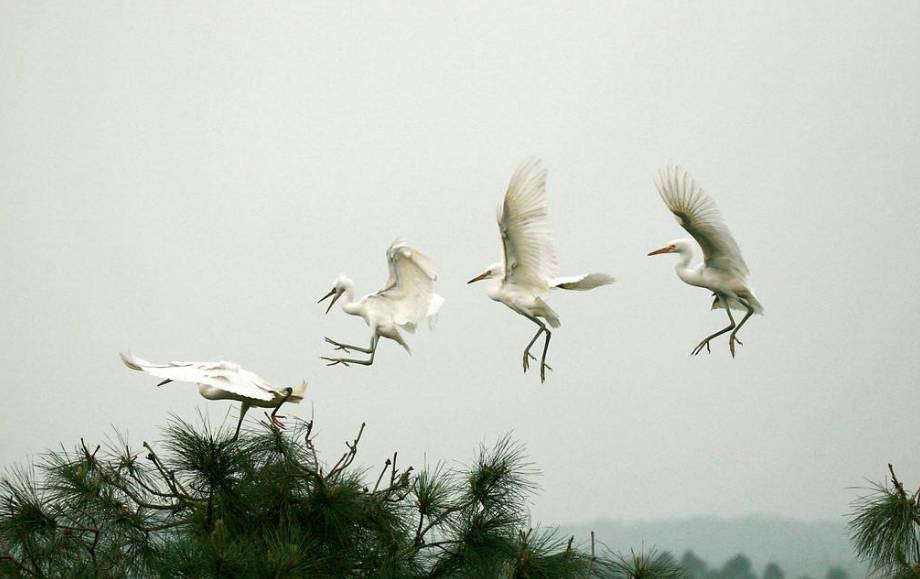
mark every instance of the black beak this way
{"type": "Point", "coordinates": [167, 381]}
{"type": "Point", "coordinates": [332, 292]}
{"type": "Point", "coordinates": [479, 277]}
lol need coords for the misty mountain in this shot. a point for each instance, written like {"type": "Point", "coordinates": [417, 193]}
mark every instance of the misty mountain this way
{"type": "Point", "coordinates": [800, 548]}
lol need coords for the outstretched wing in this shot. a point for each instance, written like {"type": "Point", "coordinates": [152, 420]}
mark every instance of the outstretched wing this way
{"type": "Point", "coordinates": [523, 220]}
{"type": "Point", "coordinates": [410, 288]}
{"type": "Point", "coordinates": [697, 213]}
{"type": "Point", "coordinates": [226, 376]}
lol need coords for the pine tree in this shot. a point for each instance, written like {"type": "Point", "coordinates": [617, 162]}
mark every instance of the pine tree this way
{"type": "Point", "coordinates": [202, 505]}
{"type": "Point", "coordinates": [885, 529]}
{"type": "Point", "coordinates": [773, 571]}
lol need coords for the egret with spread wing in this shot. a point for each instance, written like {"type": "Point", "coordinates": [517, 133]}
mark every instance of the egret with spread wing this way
{"type": "Point", "coordinates": [407, 298]}
{"type": "Point", "coordinates": [222, 381]}
{"type": "Point", "coordinates": [529, 264]}
{"type": "Point", "coordinates": [723, 270]}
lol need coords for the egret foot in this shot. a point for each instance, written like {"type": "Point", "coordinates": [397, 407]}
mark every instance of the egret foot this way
{"type": "Point", "coordinates": [275, 420]}
{"type": "Point", "coordinates": [732, 340]}
{"type": "Point", "coordinates": [335, 361]}
{"type": "Point", "coordinates": [528, 357]}
{"type": "Point", "coordinates": [338, 345]}
{"type": "Point", "coordinates": [700, 346]}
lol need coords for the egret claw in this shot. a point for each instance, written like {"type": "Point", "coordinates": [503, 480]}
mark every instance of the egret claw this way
{"type": "Point", "coordinates": [274, 420]}
{"type": "Point", "coordinates": [334, 361]}
{"type": "Point", "coordinates": [527, 358]}
{"type": "Point", "coordinates": [338, 346]}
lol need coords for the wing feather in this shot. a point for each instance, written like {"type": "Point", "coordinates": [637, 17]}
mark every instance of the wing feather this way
{"type": "Point", "coordinates": [410, 287]}
{"type": "Point", "coordinates": [527, 238]}
{"type": "Point", "coordinates": [697, 213]}
{"type": "Point", "coordinates": [226, 376]}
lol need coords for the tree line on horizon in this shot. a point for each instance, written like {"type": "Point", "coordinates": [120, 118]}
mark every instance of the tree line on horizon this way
{"type": "Point", "coordinates": [741, 567]}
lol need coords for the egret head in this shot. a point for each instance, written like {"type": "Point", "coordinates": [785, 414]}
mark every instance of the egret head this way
{"type": "Point", "coordinates": [494, 271]}
{"type": "Point", "coordinates": [339, 287]}
{"type": "Point", "coordinates": [676, 246]}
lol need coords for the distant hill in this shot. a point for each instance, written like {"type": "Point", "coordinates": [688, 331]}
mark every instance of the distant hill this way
{"type": "Point", "coordinates": [799, 548]}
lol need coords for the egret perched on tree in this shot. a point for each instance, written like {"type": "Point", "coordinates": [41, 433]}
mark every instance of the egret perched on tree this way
{"type": "Point", "coordinates": [529, 264]}
{"type": "Point", "coordinates": [407, 298]}
{"type": "Point", "coordinates": [723, 270]}
{"type": "Point", "coordinates": [222, 381]}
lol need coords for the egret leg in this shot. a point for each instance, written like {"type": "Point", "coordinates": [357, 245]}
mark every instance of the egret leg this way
{"type": "Point", "coordinates": [543, 365]}
{"type": "Point", "coordinates": [527, 355]}
{"type": "Point", "coordinates": [346, 361]}
{"type": "Point", "coordinates": [543, 330]}
{"type": "Point", "coordinates": [273, 417]}
{"type": "Point", "coordinates": [347, 347]}
{"type": "Point", "coordinates": [244, 408]}
{"type": "Point", "coordinates": [732, 338]}
{"type": "Point", "coordinates": [705, 342]}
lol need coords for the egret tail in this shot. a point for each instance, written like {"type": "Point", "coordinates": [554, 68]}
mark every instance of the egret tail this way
{"type": "Point", "coordinates": [584, 282]}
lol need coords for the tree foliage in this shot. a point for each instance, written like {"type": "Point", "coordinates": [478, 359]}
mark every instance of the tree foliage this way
{"type": "Point", "coordinates": [885, 529]}
{"type": "Point", "coordinates": [203, 505]}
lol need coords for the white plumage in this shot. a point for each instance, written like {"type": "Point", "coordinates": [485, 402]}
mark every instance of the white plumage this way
{"type": "Point", "coordinates": [723, 271]}
{"type": "Point", "coordinates": [529, 263]}
{"type": "Point", "coordinates": [405, 300]}
{"type": "Point", "coordinates": [221, 381]}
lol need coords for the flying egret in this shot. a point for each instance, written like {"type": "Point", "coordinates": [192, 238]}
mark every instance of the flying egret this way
{"type": "Point", "coordinates": [723, 270]}
{"type": "Point", "coordinates": [222, 381]}
{"type": "Point", "coordinates": [407, 298]}
{"type": "Point", "coordinates": [529, 265]}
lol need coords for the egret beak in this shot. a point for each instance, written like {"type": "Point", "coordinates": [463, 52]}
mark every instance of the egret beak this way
{"type": "Point", "coordinates": [332, 292]}
{"type": "Point", "coordinates": [479, 277]}
{"type": "Point", "coordinates": [667, 249]}
{"type": "Point", "coordinates": [167, 381]}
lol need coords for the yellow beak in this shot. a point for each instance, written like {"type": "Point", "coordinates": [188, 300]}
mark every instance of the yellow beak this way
{"type": "Point", "coordinates": [667, 249]}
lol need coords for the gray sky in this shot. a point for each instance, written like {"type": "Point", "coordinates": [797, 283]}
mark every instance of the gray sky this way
{"type": "Point", "coordinates": [185, 182]}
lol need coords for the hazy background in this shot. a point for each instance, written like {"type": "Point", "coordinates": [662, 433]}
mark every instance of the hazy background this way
{"type": "Point", "coordinates": [185, 181]}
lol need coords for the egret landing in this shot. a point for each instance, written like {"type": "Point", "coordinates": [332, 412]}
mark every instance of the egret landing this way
{"type": "Point", "coordinates": [723, 270]}
{"type": "Point", "coordinates": [223, 381]}
{"type": "Point", "coordinates": [527, 272]}
{"type": "Point", "coordinates": [407, 298]}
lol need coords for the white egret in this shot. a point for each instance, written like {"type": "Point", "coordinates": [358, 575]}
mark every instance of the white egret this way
{"type": "Point", "coordinates": [529, 264]}
{"type": "Point", "coordinates": [723, 270]}
{"type": "Point", "coordinates": [407, 298]}
{"type": "Point", "coordinates": [222, 381]}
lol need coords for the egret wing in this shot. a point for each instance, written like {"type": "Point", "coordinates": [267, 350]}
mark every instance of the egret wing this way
{"type": "Point", "coordinates": [226, 376]}
{"type": "Point", "coordinates": [697, 213]}
{"type": "Point", "coordinates": [410, 288]}
{"type": "Point", "coordinates": [527, 238]}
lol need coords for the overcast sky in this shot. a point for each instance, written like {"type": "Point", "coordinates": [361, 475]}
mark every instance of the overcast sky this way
{"type": "Point", "coordinates": [185, 180]}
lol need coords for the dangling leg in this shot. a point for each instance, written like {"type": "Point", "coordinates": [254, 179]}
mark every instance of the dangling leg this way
{"type": "Point", "coordinates": [543, 329]}
{"type": "Point", "coordinates": [732, 338]}
{"type": "Point", "coordinates": [346, 361]}
{"type": "Point", "coordinates": [244, 408]}
{"type": "Point", "coordinates": [543, 365]}
{"type": "Point", "coordinates": [527, 355]}
{"type": "Point", "coordinates": [347, 348]}
{"type": "Point", "coordinates": [731, 326]}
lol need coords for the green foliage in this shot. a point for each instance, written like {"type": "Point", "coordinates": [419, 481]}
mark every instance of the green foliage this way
{"type": "Point", "coordinates": [203, 505]}
{"type": "Point", "coordinates": [836, 573]}
{"type": "Point", "coordinates": [693, 566]}
{"type": "Point", "coordinates": [738, 567]}
{"type": "Point", "coordinates": [885, 529]}
{"type": "Point", "coordinates": [773, 571]}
